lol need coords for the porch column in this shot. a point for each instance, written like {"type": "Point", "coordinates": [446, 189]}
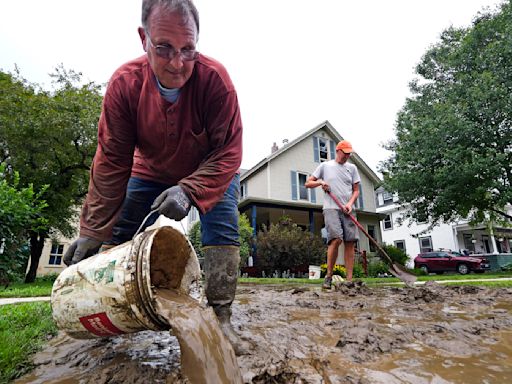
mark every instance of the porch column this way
{"type": "Point", "coordinates": [493, 241]}
{"type": "Point", "coordinates": [254, 233]}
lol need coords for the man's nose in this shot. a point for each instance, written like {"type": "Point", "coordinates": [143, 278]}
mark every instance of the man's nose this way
{"type": "Point", "coordinates": [177, 61]}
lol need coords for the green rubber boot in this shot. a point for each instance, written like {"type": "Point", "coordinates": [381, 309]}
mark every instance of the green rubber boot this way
{"type": "Point", "coordinates": [221, 269]}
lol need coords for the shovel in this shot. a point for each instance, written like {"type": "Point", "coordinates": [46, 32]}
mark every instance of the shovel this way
{"type": "Point", "coordinates": [395, 269]}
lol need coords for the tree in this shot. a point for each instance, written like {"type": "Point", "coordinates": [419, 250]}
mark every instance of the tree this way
{"type": "Point", "coordinates": [244, 229]}
{"type": "Point", "coordinates": [452, 156]}
{"type": "Point", "coordinates": [20, 212]}
{"type": "Point", "coordinates": [285, 245]}
{"type": "Point", "coordinates": [49, 137]}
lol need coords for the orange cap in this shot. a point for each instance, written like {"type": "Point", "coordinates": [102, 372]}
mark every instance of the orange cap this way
{"type": "Point", "coordinates": [344, 146]}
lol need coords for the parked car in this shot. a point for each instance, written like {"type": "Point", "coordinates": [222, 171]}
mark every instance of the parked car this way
{"type": "Point", "coordinates": [440, 262]}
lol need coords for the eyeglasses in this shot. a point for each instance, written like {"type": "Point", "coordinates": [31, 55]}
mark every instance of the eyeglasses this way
{"type": "Point", "coordinates": [169, 52]}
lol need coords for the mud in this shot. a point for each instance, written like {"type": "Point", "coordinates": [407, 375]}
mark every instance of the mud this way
{"type": "Point", "coordinates": [354, 334]}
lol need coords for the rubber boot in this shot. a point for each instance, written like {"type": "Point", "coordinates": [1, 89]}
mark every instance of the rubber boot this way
{"type": "Point", "coordinates": [221, 272]}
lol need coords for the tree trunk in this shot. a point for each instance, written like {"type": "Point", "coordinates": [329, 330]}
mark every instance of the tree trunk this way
{"type": "Point", "coordinates": [36, 248]}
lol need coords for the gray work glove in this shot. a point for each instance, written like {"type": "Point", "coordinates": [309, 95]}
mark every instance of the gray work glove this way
{"type": "Point", "coordinates": [81, 249]}
{"type": "Point", "coordinates": [173, 203]}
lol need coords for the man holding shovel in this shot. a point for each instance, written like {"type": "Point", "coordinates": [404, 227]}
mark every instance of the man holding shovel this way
{"type": "Point", "coordinates": [169, 137]}
{"type": "Point", "coordinates": [341, 179]}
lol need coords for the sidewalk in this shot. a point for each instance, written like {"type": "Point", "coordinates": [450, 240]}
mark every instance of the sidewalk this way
{"type": "Point", "coordinates": [448, 281]}
{"type": "Point", "coordinates": [13, 300]}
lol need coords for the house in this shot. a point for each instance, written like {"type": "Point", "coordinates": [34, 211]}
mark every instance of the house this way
{"type": "Point", "coordinates": [275, 186]}
{"type": "Point", "coordinates": [416, 238]}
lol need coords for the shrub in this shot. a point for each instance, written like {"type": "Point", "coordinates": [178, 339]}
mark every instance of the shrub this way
{"type": "Point", "coordinates": [285, 246]}
{"type": "Point", "coordinates": [396, 254]}
{"type": "Point", "coordinates": [337, 270]}
{"type": "Point", "coordinates": [245, 232]}
{"type": "Point", "coordinates": [376, 268]}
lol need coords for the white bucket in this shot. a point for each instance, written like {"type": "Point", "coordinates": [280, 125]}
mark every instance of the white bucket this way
{"type": "Point", "coordinates": [113, 292]}
{"type": "Point", "coordinates": [314, 272]}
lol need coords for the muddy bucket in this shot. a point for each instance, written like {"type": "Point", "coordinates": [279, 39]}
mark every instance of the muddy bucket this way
{"type": "Point", "coordinates": [114, 292]}
{"type": "Point", "coordinates": [314, 272]}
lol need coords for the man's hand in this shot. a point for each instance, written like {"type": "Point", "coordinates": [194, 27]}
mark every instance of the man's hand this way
{"type": "Point", "coordinates": [325, 187]}
{"type": "Point", "coordinates": [173, 203]}
{"type": "Point", "coordinates": [347, 208]}
{"type": "Point", "coordinates": [81, 249]}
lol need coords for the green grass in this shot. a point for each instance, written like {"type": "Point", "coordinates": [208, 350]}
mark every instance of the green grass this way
{"type": "Point", "coordinates": [35, 289]}
{"type": "Point", "coordinates": [24, 328]}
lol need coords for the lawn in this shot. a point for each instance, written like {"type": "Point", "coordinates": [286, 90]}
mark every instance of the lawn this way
{"type": "Point", "coordinates": [35, 289]}
{"type": "Point", "coordinates": [24, 328]}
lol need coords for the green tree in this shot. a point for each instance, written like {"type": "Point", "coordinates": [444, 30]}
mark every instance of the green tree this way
{"type": "Point", "coordinates": [285, 245]}
{"type": "Point", "coordinates": [244, 229]}
{"type": "Point", "coordinates": [49, 137]}
{"type": "Point", "coordinates": [452, 156]}
{"type": "Point", "coordinates": [20, 212]}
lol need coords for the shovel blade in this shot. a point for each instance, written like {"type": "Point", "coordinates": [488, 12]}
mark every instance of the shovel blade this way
{"type": "Point", "coordinates": [407, 277]}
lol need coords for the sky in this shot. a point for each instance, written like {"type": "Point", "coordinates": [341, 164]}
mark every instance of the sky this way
{"type": "Point", "coordinates": [294, 63]}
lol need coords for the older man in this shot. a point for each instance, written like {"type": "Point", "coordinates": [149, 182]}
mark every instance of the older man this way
{"type": "Point", "coordinates": [169, 137]}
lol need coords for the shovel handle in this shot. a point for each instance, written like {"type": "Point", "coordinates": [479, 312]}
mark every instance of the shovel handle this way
{"type": "Point", "coordinates": [374, 242]}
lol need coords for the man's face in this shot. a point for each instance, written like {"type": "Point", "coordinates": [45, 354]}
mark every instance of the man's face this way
{"type": "Point", "coordinates": [169, 29]}
{"type": "Point", "coordinates": [341, 157]}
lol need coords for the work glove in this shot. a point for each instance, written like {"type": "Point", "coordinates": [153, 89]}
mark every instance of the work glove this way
{"type": "Point", "coordinates": [81, 249]}
{"type": "Point", "coordinates": [173, 203]}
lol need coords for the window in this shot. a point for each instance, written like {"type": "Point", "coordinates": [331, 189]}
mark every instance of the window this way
{"type": "Point", "coordinates": [56, 254]}
{"type": "Point", "coordinates": [468, 242]}
{"type": "Point", "coordinates": [388, 222]}
{"type": "Point", "coordinates": [387, 197]}
{"type": "Point", "coordinates": [303, 191]}
{"type": "Point", "coordinates": [243, 191]}
{"type": "Point", "coordinates": [400, 244]}
{"type": "Point", "coordinates": [425, 244]}
{"type": "Point", "coordinates": [299, 191]}
{"type": "Point", "coordinates": [371, 232]}
{"type": "Point", "coordinates": [323, 152]}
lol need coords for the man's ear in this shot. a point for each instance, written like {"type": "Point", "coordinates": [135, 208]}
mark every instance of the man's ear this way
{"type": "Point", "coordinates": [142, 35]}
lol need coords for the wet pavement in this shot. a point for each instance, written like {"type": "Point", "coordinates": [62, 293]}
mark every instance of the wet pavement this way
{"type": "Point", "coordinates": [354, 334]}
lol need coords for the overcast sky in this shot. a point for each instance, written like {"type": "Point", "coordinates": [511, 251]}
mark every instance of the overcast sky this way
{"type": "Point", "coordinates": [294, 63]}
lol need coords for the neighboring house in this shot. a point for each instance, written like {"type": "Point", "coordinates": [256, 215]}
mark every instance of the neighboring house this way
{"type": "Point", "coordinates": [275, 186]}
{"type": "Point", "coordinates": [456, 236]}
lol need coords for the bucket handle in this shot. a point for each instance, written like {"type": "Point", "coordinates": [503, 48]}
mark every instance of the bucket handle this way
{"type": "Point", "coordinates": [144, 222]}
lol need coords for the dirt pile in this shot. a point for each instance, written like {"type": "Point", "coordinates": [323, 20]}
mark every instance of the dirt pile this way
{"type": "Point", "coordinates": [353, 334]}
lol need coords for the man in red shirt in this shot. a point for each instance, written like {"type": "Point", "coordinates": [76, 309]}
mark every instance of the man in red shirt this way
{"type": "Point", "coordinates": [169, 136]}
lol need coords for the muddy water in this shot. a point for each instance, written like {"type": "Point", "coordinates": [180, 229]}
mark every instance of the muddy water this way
{"type": "Point", "coordinates": [206, 355]}
{"type": "Point", "coordinates": [428, 334]}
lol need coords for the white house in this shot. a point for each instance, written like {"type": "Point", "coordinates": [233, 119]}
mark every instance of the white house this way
{"type": "Point", "coordinates": [414, 238]}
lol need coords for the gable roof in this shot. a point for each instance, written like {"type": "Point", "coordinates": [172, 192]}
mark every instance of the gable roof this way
{"type": "Point", "coordinates": [356, 159]}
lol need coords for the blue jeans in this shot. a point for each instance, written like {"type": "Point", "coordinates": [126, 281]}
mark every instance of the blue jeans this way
{"type": "Point", "coordinates": [219, 226]}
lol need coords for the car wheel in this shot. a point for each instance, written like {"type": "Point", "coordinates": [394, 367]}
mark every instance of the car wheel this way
{"type": "Point", "coordinates": [424, 268]}
{"type": "Point", "coordinates": [462, 269]}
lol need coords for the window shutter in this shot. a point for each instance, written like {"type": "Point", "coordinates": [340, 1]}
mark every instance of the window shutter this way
{"type": "Point", "coordinates": [360, 198]}
{"type": "Point", "coordinates": [294, 185]}
{"type": "Point", "coordinates": [315, 149]}
{"type": "Point", "coordinates": [331, 144]}
{"type": "Point", "coordinates": [313, 195]}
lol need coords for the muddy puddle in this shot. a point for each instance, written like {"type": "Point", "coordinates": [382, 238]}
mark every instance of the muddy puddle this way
{"type": "Point", "coordinates": [356, 334]}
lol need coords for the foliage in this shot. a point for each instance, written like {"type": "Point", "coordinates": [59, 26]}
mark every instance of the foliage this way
{"type": "Point", "coordinates": [339, 270]}
{"type": "Point", "coordinates": [285, 245]}
{"type": "Point", "coordinates": [395, 253]}
{"type": "Point", "coordinates": [23, 329]}
{"type": "Point", "coordinates": [452, 156]}
{"type": "Point", "coordinates": [49, 137]}
{"type": "Point", "coordinates": [20, 211]}
{"type": "Point", "coordinates": [245, 233]}
{"type": "Point", "coordinates": [377, 268]}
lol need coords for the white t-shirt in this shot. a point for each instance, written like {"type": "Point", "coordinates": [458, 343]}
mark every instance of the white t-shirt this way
{"type": "Point", "coordinates": [340, 178]}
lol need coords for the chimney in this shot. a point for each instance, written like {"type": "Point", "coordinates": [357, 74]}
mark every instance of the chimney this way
{"type": "Point", "coordinates": [274, 148]}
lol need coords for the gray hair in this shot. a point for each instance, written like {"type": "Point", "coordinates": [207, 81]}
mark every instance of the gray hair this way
{"type": "Point", "coordinates": [185, 8]}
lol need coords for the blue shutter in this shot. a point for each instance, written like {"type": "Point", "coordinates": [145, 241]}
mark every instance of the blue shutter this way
{"type": "Point", "coordinates": [294, 185]}
{"type": "Point", "coordinates": [313, 195]}
{"type": "Point", "coordinates": [360, 198]}
{"type": "Point", "coordinates": [331, 145]}
{"type": "Point", "coordinates": [315, 149]}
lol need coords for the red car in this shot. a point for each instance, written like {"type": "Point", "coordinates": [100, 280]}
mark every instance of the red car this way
{"type": "Point", "coordinates": [440, 262]}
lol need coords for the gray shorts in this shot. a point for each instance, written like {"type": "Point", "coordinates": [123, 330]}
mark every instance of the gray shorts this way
{"type": "Point", "coordinates": [339, 226]}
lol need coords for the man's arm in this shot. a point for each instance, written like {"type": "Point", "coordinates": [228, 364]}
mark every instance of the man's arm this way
{"type": "Point", "coordinates": [313, 182]}
{"type": "Point", "coordinates": [353, 198]}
